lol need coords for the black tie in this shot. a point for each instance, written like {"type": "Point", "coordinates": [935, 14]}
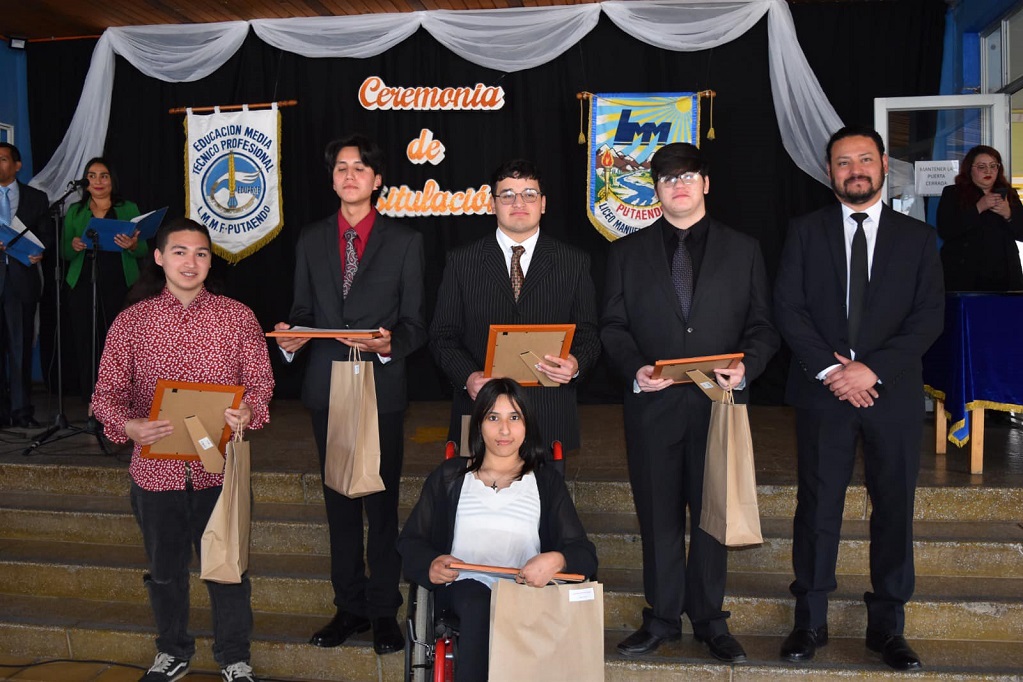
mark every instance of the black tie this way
{"type": "Point", "coordinates": [682, 274]}
{"type": "Point", "coordinates": [858, 279]}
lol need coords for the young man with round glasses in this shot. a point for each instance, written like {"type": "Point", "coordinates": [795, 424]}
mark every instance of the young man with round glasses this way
{"type": "Point", "coordinates": [686, 286]}
{"type": "Point", "coordinates": [518, 275]}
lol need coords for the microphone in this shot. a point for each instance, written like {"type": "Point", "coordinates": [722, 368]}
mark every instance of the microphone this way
{"type": "Point", "coordinates": [78, 184]}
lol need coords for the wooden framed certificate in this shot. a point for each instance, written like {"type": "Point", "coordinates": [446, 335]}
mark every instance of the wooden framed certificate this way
{"type": "Point", "coordinates": [514, 349]}
{"type": "Point", "coordinates": [176, 400]}
{"type": "Point", "coordinates": [312, 333]}
{"type": "Point", "coordinates": [676, 369]}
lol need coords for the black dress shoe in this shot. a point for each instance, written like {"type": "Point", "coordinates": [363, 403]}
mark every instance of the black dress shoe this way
{"type": "Point", "coordinates": [802, 643]}
{"type": "Point", "coordinates": [643, 641]}
{"type": "Point", "coordinates": [724, 647]}
{"type": "Point", "coordinates": [895, 651]}
{"type": "Point", "coordinates": [340, 628]}
{"type": "Point", "coordinates": [387, 637]}
{"type": "Point", "coordinates": [26, 423]}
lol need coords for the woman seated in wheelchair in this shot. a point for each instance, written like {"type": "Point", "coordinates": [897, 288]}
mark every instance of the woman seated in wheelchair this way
{"type": "Point", "coordinates": [502, 506]}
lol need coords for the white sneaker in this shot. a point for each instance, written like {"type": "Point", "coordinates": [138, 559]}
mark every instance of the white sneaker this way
{"type": "Point", "coordinates": [240, 671]}
{"type": "Point", "coordinates": [166, 668]}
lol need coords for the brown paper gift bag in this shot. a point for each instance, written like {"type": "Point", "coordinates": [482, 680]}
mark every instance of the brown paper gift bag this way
{"type": "Point", "coordinates": [225, 542]}
{"type": "Point", "coordinates": [548, 634]}
{"type": "Point", "coordinates": [730, 514]}
{"type": "Point", "coordinates": [352, 467]}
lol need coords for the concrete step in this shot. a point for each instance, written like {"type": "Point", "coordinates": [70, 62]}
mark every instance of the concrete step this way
{"type": "Point", "coordinates": [942, 548]}
{"type": "Point", "coordinates": [47, 627]}
{"type": "Point", "coordinates": [110, 477]}
{"type": "Point", "coordinates": [956, 607]}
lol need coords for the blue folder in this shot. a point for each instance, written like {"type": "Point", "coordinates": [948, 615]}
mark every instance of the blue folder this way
{"type": "Point", "coordinates": [21, 249]}
{"type": "Point", "coordinates": [108, 228]}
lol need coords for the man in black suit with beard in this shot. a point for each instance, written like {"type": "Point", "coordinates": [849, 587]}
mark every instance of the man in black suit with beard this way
{"type": "Point", "coordinates": [20, 287]}
{"type": "Point", "coordinates": [859, 299]}
{"type": "Point", "coordinates": [479, 289]}
{"type": "Point", "coordinates": [686, 286]}
{"type": "Point", "coordinates": [356, 269]}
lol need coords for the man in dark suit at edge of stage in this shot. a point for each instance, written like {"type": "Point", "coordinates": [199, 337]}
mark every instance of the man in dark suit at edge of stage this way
{"type": "Point", "coordinates": [686, 286]}
{"type": "Point", "coordinates": [859, 299]}
{"type": "Point", "coordinates": [357, 269]}
{"type": "Point", "coordinates": [20, 288]}
{"type": "Point", "coordinates": [479, 289]}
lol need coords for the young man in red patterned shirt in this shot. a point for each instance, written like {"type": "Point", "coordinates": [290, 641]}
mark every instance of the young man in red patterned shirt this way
{"type": "Point", "coordinates": [178, 330]}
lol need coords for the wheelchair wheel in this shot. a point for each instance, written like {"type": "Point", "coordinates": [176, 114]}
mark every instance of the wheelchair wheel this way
{"type": "Point", "coordinates": [419, 644]}
{"type": "Point", "coordinates": [444, 659]}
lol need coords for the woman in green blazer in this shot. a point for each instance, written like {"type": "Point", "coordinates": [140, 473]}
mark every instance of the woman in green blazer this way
{"type": "Point", "coordinates": [115, 272]}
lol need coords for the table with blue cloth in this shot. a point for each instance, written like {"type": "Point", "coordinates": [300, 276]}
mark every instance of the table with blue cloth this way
{"type": "Point", "coordinates": [976, 364]}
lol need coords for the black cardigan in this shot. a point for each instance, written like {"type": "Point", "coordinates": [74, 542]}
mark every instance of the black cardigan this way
{"type": "Point", "coordinates": [430, 528]}
{"type": "Point", "coordinates": [979, 253]}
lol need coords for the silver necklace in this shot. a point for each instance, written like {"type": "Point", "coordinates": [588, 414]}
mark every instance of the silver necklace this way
{"type": "Point", "coordinates": [492, 486]}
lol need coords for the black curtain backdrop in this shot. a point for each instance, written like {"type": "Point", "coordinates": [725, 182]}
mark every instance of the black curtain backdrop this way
{"type": "Point", "coordinates": [858, 50]}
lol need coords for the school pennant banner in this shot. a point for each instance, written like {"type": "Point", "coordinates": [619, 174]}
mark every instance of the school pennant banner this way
{"type": "Point", "coordinates": [233, 178]}
{"type": "Point", "coordinates": [625, 131]}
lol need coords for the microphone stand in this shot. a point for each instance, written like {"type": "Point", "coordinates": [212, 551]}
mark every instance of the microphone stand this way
{"type": "Point", "coordinates": [61, 427]}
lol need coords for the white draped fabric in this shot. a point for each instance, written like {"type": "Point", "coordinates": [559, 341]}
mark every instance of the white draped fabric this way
{"type": "Point", "coordinates": [501, 39]}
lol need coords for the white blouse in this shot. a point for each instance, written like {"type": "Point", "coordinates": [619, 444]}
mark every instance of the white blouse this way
{"type": "Point", "coordinates": [496, 527]}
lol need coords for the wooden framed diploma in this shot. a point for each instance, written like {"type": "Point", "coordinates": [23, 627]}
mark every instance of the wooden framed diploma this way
{"type": "Point", "coordinates": [676, 369]}
{"type": "Point", "coordinates": [176, 400]}
{"type": "Point", "coordinates": [514, 349]}
{"type": "Point", "coordinates": [312, 333]}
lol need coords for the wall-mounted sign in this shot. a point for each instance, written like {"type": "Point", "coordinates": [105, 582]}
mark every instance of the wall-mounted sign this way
{"type": "Point", "coordinates": [375, 94]}
{"type": "Point", "coordinates": [933, 176]}
{"type": "Point", "coordinates": [404, 202]}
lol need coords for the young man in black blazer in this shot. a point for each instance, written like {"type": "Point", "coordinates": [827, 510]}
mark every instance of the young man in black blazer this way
{"type": "Point", "coordinates": [859, 299]}
{"type": "Point", "coordinates": [686, 286]}
{"type": "Point", "coordinates": [20, 287]}
{"type": "Point", "coordinates": [356, 269]}
{"type": "Point", "coordinates": [555, 288]}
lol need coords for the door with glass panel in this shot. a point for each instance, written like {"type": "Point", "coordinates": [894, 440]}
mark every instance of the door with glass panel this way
{"type": "Point", "coordinates": [920, 130]}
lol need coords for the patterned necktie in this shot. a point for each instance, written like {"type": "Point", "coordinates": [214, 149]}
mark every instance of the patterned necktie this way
{"type": "Point", "coordinates": [858, 279]}
{"type": "Point", "coordinates": [682, 274]}
{"type": "Point", "coordinates": [517, 278]}
{"type": "Point", "coordinates": [351, 261]}
{"type": "Point", "coordinates": [5, 206]}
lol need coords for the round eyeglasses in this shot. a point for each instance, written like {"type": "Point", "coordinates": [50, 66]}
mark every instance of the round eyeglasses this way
{"type": "Point", "coordinates": [684, 178]}
{"type": "Point", "coordinates": [985, 167]}
{"type": "Point", "coordinates": [529, 196]}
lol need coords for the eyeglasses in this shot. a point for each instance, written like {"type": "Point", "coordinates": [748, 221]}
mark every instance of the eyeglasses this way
{"type": "Point", "coordinates": [529, 196]}
{"type": "Point", "coordinates": [985, 167]}
{"type": "Point", "coordinates": [685, 178]}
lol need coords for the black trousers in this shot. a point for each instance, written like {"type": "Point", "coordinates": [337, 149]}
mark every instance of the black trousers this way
{"type": "Point", "coordinates": [18, 327]}
{"type": "Point", "coordinates": [110, 292]}
{"type": "Point", "coordinates": [891, 463]}
{"type": "Point", "coordinates": [470, 601]}
{"type": "Point", "coordinates": [666, 464]}
{"type": "Point", "coordinates": [172, 523]}
{"type": "Point", "coordinates": [376, 596]}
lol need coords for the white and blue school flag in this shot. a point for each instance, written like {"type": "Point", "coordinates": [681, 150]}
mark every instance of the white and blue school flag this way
{"type": "Point", "coordinates": [625, 131]}
{"type": "Point", "coordinates": [233, 178]}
